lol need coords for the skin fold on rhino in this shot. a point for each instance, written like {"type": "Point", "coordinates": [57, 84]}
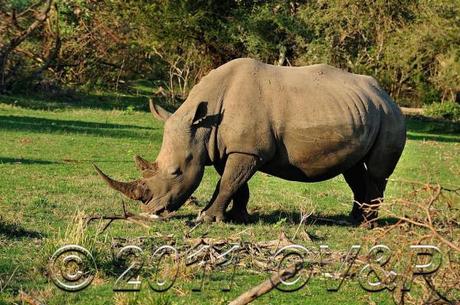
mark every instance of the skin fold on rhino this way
{"type": "Point", "coordinates": [304, 124]}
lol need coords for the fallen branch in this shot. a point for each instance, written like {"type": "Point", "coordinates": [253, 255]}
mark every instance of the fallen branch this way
{"type": "Point", "coordinates": [3, 286]}
{"type": "Point", "coordinates": [303, 219]}
{"type": "Point", "coordinates": [428, 216]}
{"type": "Point", "coordinates": [267, 285]}
{"type": "Point", "coordinates": [332, 221]}
{"type": "Point", "coordinates": [427, 209]}
{"type": "Point", "coordinates": [143, 220]}
{"type": "Point", "coordinates": [432, 229]}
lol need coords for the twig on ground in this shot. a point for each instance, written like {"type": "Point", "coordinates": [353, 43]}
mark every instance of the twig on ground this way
{"type": "Point", "coordinates": [192, 229]}
{"type": "Point", "coordinates": [333, 221]}
{"type": "Point", "coordinates": [303, 219]}
{"type": "Point", "coordinates": [139, 219]}
{"type": "Point", "coordinates": [267, 285]}
{"type": "Point", "coordinates": [428, 216]}
{"type": "Point", "coordinates": [2, 287]}
{"type": "Point", "coordinates": [427, 209]}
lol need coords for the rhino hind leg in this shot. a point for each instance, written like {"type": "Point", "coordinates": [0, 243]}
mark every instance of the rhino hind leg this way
{"type": "Point", "coordinates": [369, 177]}
{"type": "Point", "coordinates": [368, 194]}
{"type": "Point", "coordinates": [239, 168]}
{"type": "Point", "coordinates": [238, 212]}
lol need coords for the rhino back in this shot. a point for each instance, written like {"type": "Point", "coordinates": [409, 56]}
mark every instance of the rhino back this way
{"type": "Point", "coordinates": [306, 123]}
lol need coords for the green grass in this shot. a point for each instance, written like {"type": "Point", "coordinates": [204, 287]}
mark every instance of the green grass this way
{"type": "Point", "coordinates": [47, 148]}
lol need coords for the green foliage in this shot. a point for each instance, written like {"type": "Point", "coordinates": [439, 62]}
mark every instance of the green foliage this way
{"type": "Point", "coordinates": [446, 110]}
{"type": "Point", "coordinates": [18, 4]}
{"type": "Point", "coordinates": [129, 110]}
{"type": "Point", "coordinates": [411, 46]}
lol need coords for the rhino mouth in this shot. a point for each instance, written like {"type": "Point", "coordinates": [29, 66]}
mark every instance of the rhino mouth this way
{"type": "Point", "coordinates": [159, 210]}
{"type": "Point", "coordinates": [169, 207]}
{"type": "Point", "coordinates": [163, 209]}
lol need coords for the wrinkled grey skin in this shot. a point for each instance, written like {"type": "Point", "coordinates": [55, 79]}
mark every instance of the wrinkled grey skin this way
{"type": "Point", "coordinates": [298, 123]}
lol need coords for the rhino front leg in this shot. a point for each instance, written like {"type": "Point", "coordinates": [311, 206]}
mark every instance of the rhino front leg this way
{"type": "Point", "coordinates": [239, 168]}
{"type": "Point", "coordinates": [238, 212]}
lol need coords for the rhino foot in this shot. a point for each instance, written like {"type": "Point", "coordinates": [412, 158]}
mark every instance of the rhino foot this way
{"type": "Point", "coordinates": [208, 216]}
{"type": "Point", "coordinates": [356, 218]}
{"type": "Point", "coordinates": [237, 216]}
{"type": "Point", "coordinates": [364, 221]}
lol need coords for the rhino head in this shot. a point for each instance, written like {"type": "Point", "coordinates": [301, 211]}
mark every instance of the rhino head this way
{"type": "Point", "coordinates": [170, 180]}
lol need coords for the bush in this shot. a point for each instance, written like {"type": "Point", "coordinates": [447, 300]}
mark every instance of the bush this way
{"type": "Point", "coordinates": [446, 110]}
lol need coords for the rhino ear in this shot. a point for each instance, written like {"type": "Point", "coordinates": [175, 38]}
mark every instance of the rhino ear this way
{"type": "Point", "coordinates": [200, 113]}
{"type": "Point", "coordinates": [158, 112]}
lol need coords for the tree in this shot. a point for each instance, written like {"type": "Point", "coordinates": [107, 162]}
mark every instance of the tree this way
{"type": "Point", "coordinates": [20, 37]}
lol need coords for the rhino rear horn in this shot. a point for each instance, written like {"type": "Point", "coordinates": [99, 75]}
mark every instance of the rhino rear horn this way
{"type": "Point", "coordinates": [143, 164]}
{"type": "Point", "coordinates": [158, 112]}
{"type": "Point", "coordinates": [147, 168]}
{"type": "Point", "coordinates": [129, 189]}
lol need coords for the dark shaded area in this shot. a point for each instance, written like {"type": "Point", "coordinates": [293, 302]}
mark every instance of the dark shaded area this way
{"type": "Point", "coordinates": [426, 127]}
{"type": "Point", "coordinates": [188, 218]}
{"type": "Point", "coordinates": [94, 161]}
{"type": "Point", "coordinates": [80, 100]}
{"type": "Point", "coordinates": [7, 160]}
{"type": "Point", "coordinates": [433, 137]}
{"type": "Point", "coordinates": [15, 231]}
{"type": "Point", "coordinates": [25, 161]}
{"type": "Point", "coordinates": [432, 129]}
{"type": "Point", "coordinates": [40, 125]}
{"type": "Point", "coordinates": [294, 217]}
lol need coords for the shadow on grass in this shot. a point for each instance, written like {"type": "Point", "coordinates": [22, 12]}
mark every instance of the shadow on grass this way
{"type": "Point", "coordinates": [432, 129]}
{"type": "Point", "coordinates": [104, 101]}
{"type": "Point", "coordinates": [4, 160]}
{"type": "Point", "coordinates": [294, 217]}
{"type": "Point", "coordinates": [15, 231]}
{"type": "Point", "coordinates": [40, 125]}
{"type": "Point", "coordinates": [7, 160]}
{"type": "Point", "coordinates": [433, 137]}
{"type": "Point", "coordinates": [418, 127]}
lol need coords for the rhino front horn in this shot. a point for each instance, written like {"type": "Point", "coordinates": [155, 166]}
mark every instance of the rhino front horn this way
{"type": "Point", "coordinates": [129, 189]}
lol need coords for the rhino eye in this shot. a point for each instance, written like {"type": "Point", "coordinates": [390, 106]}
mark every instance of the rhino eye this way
{"type": "Point", "coordinates": [189, 157]}
{"type": "Point", "coordinates": [175, 171]}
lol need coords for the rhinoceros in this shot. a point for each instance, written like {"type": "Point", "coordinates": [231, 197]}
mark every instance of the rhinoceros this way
{"type": "Point", "coordinates": [306, 124]}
